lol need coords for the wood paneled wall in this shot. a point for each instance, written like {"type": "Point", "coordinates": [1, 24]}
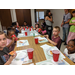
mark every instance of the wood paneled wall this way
{"type": "Point", "coordinates": [71, 10]}
{"type": "Point", "coordinates": [5, 17]}
{"type": "Point", "coordinates": [23, 15]}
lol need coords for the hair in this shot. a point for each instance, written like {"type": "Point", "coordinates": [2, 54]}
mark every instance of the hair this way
{"type": "Point", "coordinates": [73, 11]}
{"type": "Point", "coordinates": [57, 27]}
{"type": "Point", "coordinates": [47, 12]}
{"type": "Point", "coordinates": [25, 21]}
{"type": "Point", "coordinates": [1, 32]}
{"type": "Point", "coordinates": [10, 30]}
{"type": "Point", "coordinates": [36, 24]}
{"type": "Point", "coordinates": [43, 26]}
{"type": "Point", "coordinates": [14, 23]}
{"type": "Point", "coordinates": [73, 41]}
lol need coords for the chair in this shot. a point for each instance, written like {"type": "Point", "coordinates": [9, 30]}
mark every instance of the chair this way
{"type": "Point", "coordinates": [60, 44]}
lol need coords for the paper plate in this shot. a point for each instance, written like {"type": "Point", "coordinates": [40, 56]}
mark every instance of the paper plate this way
{"type": "Point", "coordinates": [47, 63]}
{"type": "Point", "coordinates": [21, 55]}
{"type": "Point", "coordinates": [48, 52]}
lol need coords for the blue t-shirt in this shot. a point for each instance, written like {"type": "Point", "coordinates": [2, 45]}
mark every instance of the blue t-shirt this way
{"type": "Point", "coordinates": [17, 31]}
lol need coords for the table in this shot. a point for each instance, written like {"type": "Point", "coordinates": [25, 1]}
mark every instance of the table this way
{"type": "Point", "coordinates": [38, 54]}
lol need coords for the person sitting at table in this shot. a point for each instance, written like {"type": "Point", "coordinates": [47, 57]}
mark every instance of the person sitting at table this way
{"type": "Point", "coordinates": [18, 30]}
{"type": "Point", "coordinates": [10, 40]}
{"type": "Point", "coordinates": [56, 40]}
{"type": "Point", "coordinates": [70, 50]}
{"type": "Point", "coordinates": [5, 59]}
{"type": "Point", "coordinates": [25, 24]}
{"type": "Point", "coordinates": [43, 30]}
{"type": "Point", "coordinates": [36, 27]}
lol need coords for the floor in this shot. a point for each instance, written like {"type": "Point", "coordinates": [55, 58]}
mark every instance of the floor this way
{"type": "Point", "coordinates": [62, 47]}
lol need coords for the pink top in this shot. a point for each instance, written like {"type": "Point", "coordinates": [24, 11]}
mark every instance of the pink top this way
{"type": "Point", "coordinates": [43, 32]}
{"type": "Point", "coordinates": [11, 48]}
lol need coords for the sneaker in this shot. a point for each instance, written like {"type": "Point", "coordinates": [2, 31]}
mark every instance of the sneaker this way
{"type": "Point", "coordinates": [65, 43]}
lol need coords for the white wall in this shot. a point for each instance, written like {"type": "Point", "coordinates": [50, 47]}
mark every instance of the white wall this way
{"type": "Point", "coordinates": [33, 17]}
{"type": "Point", "coordinates": [57, 18]}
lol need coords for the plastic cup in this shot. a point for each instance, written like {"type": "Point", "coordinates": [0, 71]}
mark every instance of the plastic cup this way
{"type": "Point", "coordinates": [31, 26]}
{"type": "Point", "coordinates": [55, 55]}
{"type": "Point", "coordinates": [24, 28]}
{"type": "Point", "coordinates": [36, 40]}
{"type": "Point", "coordinates": [30, 53]}
{"type": "Point", "coordinates": [26, 33]}
{"type": "Point", "coordinates": [15, 37]}
{"type": "Point", "coordinates": [33, 34]}
{"type": "Point", "coordinates": [29, 29]}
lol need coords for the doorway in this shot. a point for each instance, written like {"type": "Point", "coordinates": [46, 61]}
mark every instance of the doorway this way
{"type": "Point", "coordinates": [71, 10]}
{"type": "Point", "coordinates": [39, 16]}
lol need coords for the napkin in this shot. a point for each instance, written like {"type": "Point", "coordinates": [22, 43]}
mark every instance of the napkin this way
{"type": "Point", "coordinates": [45, 46]}
{"type": "Point", "coordinates": [24, 43]}
{"type": "Point", "coordinates": [16, 62]}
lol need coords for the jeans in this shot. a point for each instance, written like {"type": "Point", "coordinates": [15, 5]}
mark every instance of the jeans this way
{"type": "Point", "coordinates": [65, 33]}
{"type": "Point", "coordinates": [49, 30]}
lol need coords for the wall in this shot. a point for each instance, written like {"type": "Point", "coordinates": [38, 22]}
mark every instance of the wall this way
{"type": "Point", "coordinates": [57, 18]}
{"type": "Point", "coordinates": [5, 18]}
{"type": "Point", "coordinates": [0, 26]}
{"type": "Point", "coordinates": [33, 17]}
{"type": "Point", "coordinates": [13, 15]}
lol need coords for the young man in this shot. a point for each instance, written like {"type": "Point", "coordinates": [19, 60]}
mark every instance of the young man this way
{"type": "Point", "coordinates": [65, 25]}
{"type": "Point", "coordinates": [56, 40]}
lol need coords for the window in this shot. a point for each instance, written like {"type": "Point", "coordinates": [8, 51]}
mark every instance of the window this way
{"type": "Point", "coordinates": [39, 15]}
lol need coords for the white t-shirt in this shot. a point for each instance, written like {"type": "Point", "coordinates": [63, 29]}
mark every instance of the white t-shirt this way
{"type": "Point", "coordinates": [70, 56]}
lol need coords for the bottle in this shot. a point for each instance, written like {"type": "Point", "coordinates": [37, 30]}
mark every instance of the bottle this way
{"type": "Point", "coordinates": [33, 34]}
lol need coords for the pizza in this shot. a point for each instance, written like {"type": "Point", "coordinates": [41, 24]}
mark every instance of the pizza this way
{"type": "Point", "coordinates": [51, 52]}
{"type": "Point", "coordinates": [20, 42]}
{"type": "Point", "coordinates": [12, 52]}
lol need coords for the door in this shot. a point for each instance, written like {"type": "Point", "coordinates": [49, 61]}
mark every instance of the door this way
{"type": "Point", "coordinates": [20, 16]}
{"type": "Point", "coordinates": [27, 16]}
{"type": "Point", "coordinates": [5, 17]}
{"type": "Point", "coordinates": [23, 15]}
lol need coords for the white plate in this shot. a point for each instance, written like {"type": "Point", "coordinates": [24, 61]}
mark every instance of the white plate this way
{"type": "Point", "coordinates": [21, 55]}
{"type": "Point", "coordinates": [47, 63]}
{"type": "Point", "coordinates": [48, 52]}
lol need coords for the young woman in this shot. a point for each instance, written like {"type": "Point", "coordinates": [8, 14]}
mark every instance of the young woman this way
{"type": "Point", "coordinates": [49, 21]}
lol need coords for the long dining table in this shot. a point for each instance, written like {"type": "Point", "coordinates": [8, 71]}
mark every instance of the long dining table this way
{"type": "Point", "coordinates": [38, 54]}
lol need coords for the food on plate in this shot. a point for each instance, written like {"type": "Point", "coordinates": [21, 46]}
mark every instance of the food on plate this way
{"type": "Point", "coordinates": [41, 40]}
{"type": "Point", "coordinates": [20, 42]}
{"type": "Point", "coordinates": [12, 52]}
{"type": "Point", "coordinates": [51, 52]}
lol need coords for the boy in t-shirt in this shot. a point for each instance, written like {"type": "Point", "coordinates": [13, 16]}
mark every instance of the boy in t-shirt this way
{"type": "Point", "coordinates": [5, 58]}
{"type": "Point", "coordinates": [56, 40]}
